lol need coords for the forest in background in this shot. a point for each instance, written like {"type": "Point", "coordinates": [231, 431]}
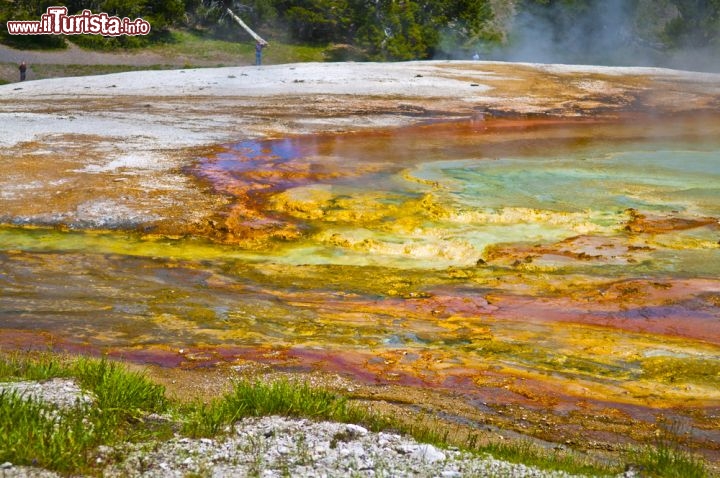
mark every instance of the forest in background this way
{"type": "Point", "coordinates": [639, 32]}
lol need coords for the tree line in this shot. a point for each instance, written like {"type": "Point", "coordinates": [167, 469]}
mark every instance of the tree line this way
{"type": "Point", "coordinates": [401, 29]}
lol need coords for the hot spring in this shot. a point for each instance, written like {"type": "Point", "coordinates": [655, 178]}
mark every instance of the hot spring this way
{"type": "Point", "coordinates": [537, 267]}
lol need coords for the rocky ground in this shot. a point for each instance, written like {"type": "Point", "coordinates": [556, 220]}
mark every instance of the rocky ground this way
{"type": "Point", "coordinates": [278, 446]}
{"type": "Point", "coordinates": [273, 447]}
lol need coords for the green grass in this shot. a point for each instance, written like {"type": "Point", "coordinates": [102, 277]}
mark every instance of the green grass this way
{"type": "Point", "coordinates": [283, 397]}
{"type": "Point", "coordinates": [118, 389]}
{"type": "Point", "coordinates": [667, 458]}
{"type": "Point", "coordinates": [182, 49]}
{"type": "Point", "coordinates": [427, 430]}
{"type": "Point", "coordinates": [531, 454]}
{"type": "Point", "coordinates": [184, 43]}
{"type": "Point", "coordinates": [33, 433]}
{"type": "Point", "coordinates": [280, 397]}
{"type": "Point", "coordinates": [14, 367]}
{"type": "Point", "coordinates": [111, 383]}
{"type": "Point", "coordinates": [66, 440]}
{"type": "Point", "coordinates": [43, 70]}
{"type": "Point", "coordinates": [669, 461]}
{"type": "Point", "coordinates": [197, 48]}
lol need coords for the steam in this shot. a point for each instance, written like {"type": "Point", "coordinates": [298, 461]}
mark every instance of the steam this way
{"type": "Point", "coordinates": [591, 37]}
{"type": "Point", "coordinates": [608, 32]}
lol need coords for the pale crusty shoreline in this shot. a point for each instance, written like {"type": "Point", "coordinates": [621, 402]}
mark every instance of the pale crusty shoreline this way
{"type": "Point", "coordinates": [122, 133]}
{"type": "Point", "coordinates": [234, 102]}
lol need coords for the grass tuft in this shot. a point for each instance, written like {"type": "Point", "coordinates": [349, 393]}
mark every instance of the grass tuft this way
{"type": "Point", "coordinates": [430, 430]}
{"type": "Point", "coordinates": [32, 433]}
{"type": "Point", "coordinates": [668, 460]}
{"type": "Point", "coordinates": [282, 397]}
{"type": "Point", "coordinates": [531, 454]}
{"type": "Point", "coordinates": [118, 389]}
{"type": "Point", "coordinates": [254, 399]}
{"type": "Point", "coordinates": [64, 439]}
{"type": "Point", "coordinates": [17, 366]}
{"type": "Point", "coordinates": [287, 398]}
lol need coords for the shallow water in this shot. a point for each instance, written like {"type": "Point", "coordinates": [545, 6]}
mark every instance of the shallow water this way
{"type": "Point", "coordinates": [542, 263]}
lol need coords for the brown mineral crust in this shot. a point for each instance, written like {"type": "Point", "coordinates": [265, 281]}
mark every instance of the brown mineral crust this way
{"type": "Point", "coordinates": [649, 224]}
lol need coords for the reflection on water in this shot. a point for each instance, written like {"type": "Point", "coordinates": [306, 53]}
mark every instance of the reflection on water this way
{"type": "Point", "coordinates": [528, 262]}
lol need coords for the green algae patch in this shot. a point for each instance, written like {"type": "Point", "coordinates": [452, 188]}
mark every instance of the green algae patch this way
{"type": "Point", "coordinates": [682, 370]}
{"type": "Point", "coordinates": [39, 239]}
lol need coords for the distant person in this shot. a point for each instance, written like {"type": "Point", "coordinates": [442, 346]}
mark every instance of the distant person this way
{"type": "Point", "coordinates": [23, 69]}
{"type": "Point", "coordinates": [476, 56]}
{"type": "Point", "coordinates": [258, 52]}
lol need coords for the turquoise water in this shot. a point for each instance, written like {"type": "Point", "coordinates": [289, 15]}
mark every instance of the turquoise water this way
{"type": "Point", "coordinates": [539, 268]}
{"type": "Point", "coordinates": [656, 180]}
{"type": "Point", "coordinates": [450, 209]}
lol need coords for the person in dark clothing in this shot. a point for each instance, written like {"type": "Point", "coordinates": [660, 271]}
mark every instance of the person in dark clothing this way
{"type": "Point", "coordinates": [23, 69]}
